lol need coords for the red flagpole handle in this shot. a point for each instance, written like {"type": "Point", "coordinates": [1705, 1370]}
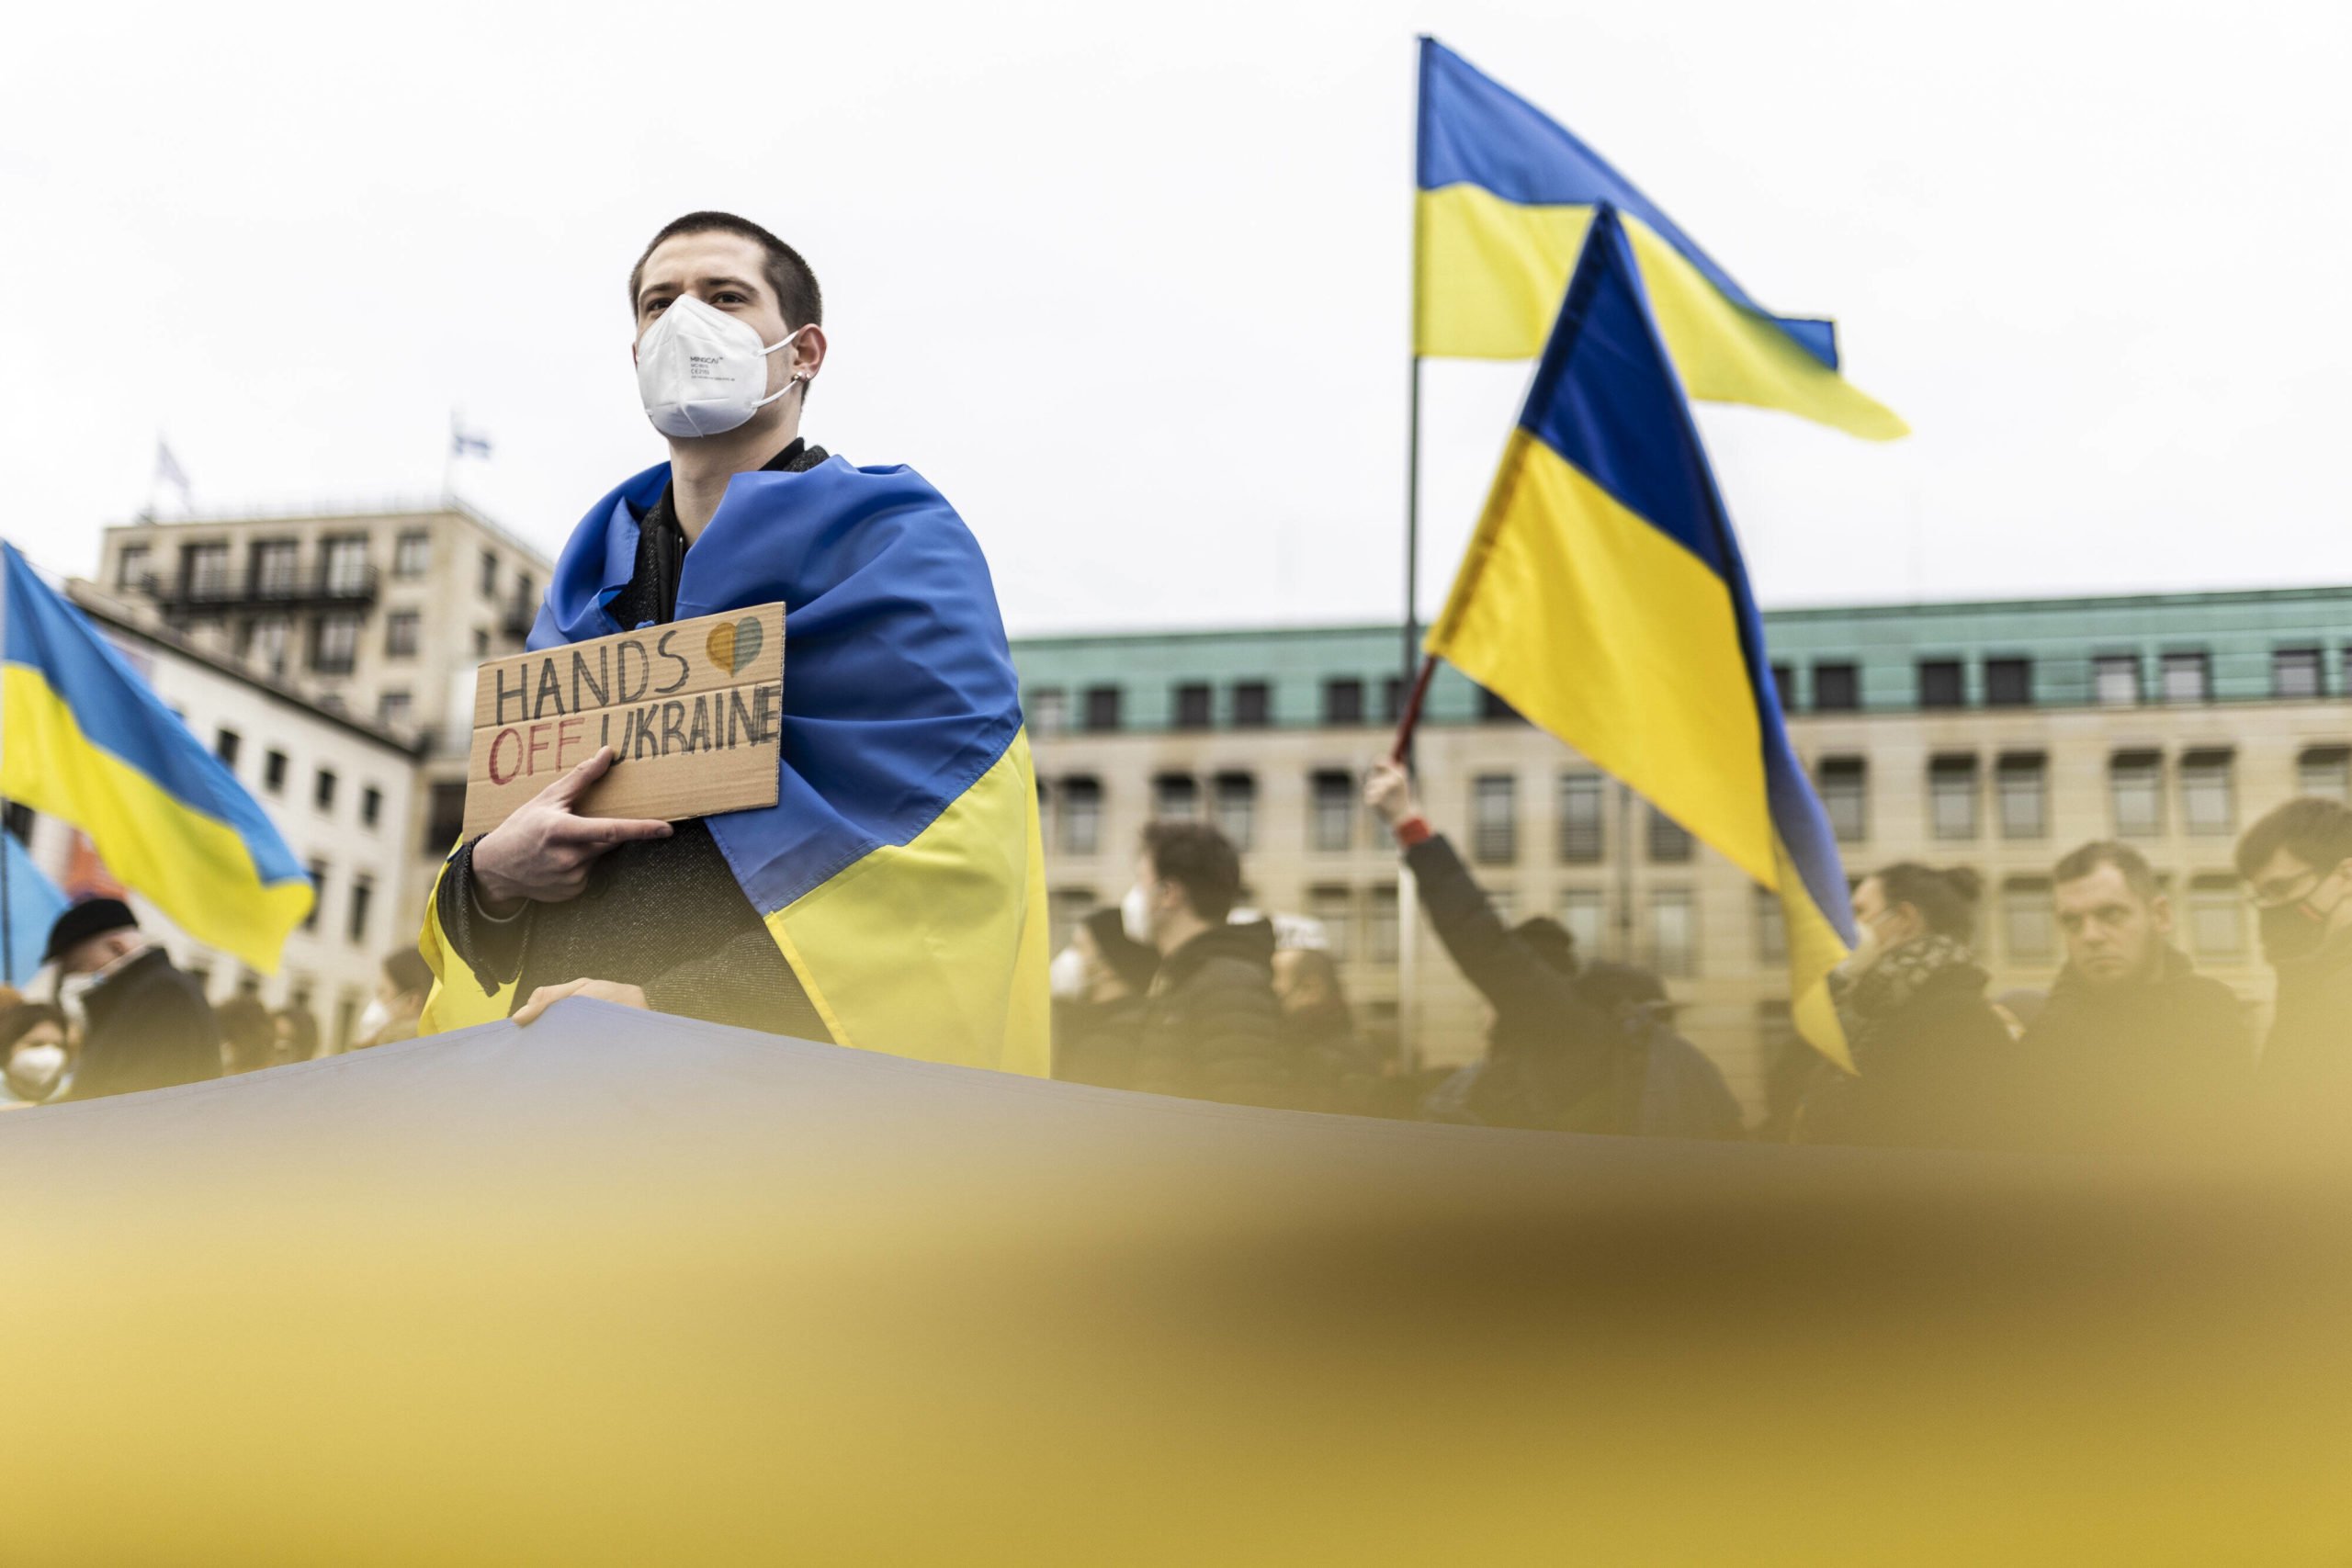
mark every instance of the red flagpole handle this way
{"type": "Point", "coordinates": [1411, 717]}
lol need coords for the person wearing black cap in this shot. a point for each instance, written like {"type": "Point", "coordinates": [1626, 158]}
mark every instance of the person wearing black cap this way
{"type": "Point", "coordinates": [145, 1024]}
{"type": "Point", "coordinates": [1099, 981]}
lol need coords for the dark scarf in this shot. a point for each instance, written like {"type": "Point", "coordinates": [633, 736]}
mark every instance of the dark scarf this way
{"type": "Point", "coordinates": [1887, 987]}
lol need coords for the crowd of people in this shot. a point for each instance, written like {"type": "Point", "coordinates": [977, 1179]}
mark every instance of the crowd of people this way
{"type": "Point", "coordinates": [123, 1017]}
{"type": "Point", "coordinates": [1176, 991]}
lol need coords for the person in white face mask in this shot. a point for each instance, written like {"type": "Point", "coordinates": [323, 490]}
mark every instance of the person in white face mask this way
{"type": "Point", "coordinates": [392, 1013]}
{"type": "Point", "coordinates": [37, 1057]}
{"type": "Point", "coordinates": [900, 703]}
{"type": "Point", "coordinates": [145, 1023]}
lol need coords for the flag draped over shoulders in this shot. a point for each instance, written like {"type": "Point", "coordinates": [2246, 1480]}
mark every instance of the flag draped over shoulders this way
{"type": "Point", "coordinates": [1603, 596]}
{"type": "Point", "coordinates": [83, 738]}
{"type": "Point", "coordinates": [900, 870]}
{"type": "Point", "coordinates": [1505, 196]}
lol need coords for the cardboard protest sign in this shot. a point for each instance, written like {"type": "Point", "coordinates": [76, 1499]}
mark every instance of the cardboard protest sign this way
{"type": "Point", "coordinates": [693, 710]}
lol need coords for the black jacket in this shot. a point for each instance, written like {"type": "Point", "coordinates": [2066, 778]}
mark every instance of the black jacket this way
{"type": "Point", "coordinates": [1553, 1059]}
{"type": "Point", "coordinates": [1211, 1029]}
{"type": "Point", "coordinates": [145, 1025]}
{"type": "Point", "coordinates": [1095, 1043]}
{"type": "Point", "coordinates": [2306, 1072]}
{"type": "Point", "coordinates": [1938, 1071]}
{"type": "Point", "coordinates": [2129, 1062]}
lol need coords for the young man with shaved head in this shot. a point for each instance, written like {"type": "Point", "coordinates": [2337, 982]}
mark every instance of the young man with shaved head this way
{"type": "Point", "coordinates": [892, 897]}
{"type": "Point", "coordinates": [2133, 1045]}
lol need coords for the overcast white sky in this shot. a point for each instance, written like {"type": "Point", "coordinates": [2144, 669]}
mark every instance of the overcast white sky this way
{"type": "Point", "coordinates": [1131, 287]}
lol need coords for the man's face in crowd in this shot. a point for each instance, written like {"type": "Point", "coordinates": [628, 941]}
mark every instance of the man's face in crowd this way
{"type": "Point", "coordinates": [2113, 935]}
{"type": "Point", "coordinates": [94, 953]}
{"type": "Point", "coordinates": [1298, 981]}
{"type": "Point", "coordinates": [725, 271]}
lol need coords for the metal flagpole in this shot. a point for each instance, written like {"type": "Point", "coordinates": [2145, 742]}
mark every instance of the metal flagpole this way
{"type": "Point", "coordinates": [1414, 687]}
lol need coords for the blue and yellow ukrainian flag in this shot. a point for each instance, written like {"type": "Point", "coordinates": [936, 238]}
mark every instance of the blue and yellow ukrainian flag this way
{"type": "Point", "coordinates": [900, 870]}
{"type": "Point", "coordinates": [1505, 196]}
{"type": "Point", "coordinates": [83, 738]}
{"type": "Point", "coordinates": [1603, 596]}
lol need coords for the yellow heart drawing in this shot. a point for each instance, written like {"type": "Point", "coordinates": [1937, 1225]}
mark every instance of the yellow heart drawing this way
{"type": "Point", "coordinates": [733, 647]}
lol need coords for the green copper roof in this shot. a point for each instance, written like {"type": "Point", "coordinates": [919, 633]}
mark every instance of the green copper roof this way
{"type": "Point", "coordinates": [2240, 634]}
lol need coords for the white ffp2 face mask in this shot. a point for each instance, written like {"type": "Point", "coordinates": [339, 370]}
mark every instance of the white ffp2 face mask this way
{"type": "Point", "coordinates": [702, 372]}
{"type": "Point", "coordinates": [35, 1069]}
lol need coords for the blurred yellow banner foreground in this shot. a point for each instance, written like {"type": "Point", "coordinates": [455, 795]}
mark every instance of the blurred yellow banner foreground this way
{"type": "Point", "coordinates": [629, 1288]}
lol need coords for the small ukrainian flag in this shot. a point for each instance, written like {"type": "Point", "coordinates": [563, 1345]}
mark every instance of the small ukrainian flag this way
{"type": "Point", "coordinates": [1506, 195]}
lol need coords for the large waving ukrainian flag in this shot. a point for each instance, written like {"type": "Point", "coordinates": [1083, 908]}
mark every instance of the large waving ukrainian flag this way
{"type": "Point", "coordinates": [82, 738]}
{"type": "Point", "coordinates": [1505, 196]}
{"type": "Point", "coordinates": [1603, 596]}
{"type": "Point", "coordinates": [900, 870]}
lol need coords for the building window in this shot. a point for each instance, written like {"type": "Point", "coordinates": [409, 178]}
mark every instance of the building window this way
{"type": "Point", "coordinates": [272, 772]}
{"type": "Point", "coordinates": [1175, 795]}
{"type": "Point", "coordinates": [347, 564]}
{"type": "Point", "coordinates": [1392, 699]}
{"type": "Point", "coordinates": [1048, 710]}
{"type": "Point", "coordinates": [489, 575]}
{"type": "Point", "coordinates": [2115, 680]}
{"type": "Point", "coordinates": [318, 894]}
{"type": "Point", "coordinates": [2326, 772]}
{"type": "Point", "coordinates": [2206, 804]}
{"type": "Point", "coordinates": [1078, 819]}
{"type": "Point", "coordinates": [1943, 684]}
{"type": "Point", "coordinates": [2295, 674]}
{"type": "Point", "coordinates": [1837, 688]}
{"type": "Point", "coordinates": [1334, 910]}
{"type": "Point", "coordinates": [393, 707]}
{"type": "Point", "coordinates": [1494, 710]}
{"type": "Point", "coordinates": [1845, 797]}
{"type": "Point", "coordinates": [323, 790]}
{"type": "Point", "coordinates": [131, 571]}
{"type": "Point", "coordinates": [1669, 844]}
{"type": "Point", "coordinates": [481, 642]}
{"type": "Point", "coordinates": [1331, 802]}
{"type": "Point", "coordinates": [1951, 797]}
{"type": "Point", "coordinates": [204, 571]}
{"type": "Point", "coordinates": [226, 744]}
{"type": "Point", "coordinates": [2022, 781]}
{"type": "Point", "coordinates": [2009, 682]}
{"type": "Point", "coordinates": [363, 890]}
{"type": "Point", "coordinates": [1771, 929]}
{"type": "Point", "coordinates": [1343, 702]}
{"type": "Point", "coordinates": [2186, 678]}
{"type": "Point", "coordinates": [1236, 804]}
{"type": "Point", "coordinates": [371, 806]}
{"type": "Point", "coordinates": [2217, 918]}
{"type": "Point", "coordinates": [2135, 783]}
{"type": "Point", "coordinates": [1380, 924]}
{"type": "Point", "coordinates": [1252, 704]}
{"type": "Point", "coordinates": [1494, 819]}
{"type": "Point", "coordinates": [334, 644]}
{"type": "Point", "coordinates": [1784, 686]}
{"type": "Point", "coordinates": [412, 553]}
{"type": "Point", "coordinates": [2029, 926]}
{"type": "Point", "coordinates": [445, 818]}
{"type": "Point", "coordinates": [1584, 912]}
{"type": "Point", "coordinates": [277, 566]}
{"type": "Point", "coordinates": [400, 634]}
{"type": "Point", "coordinates": [1674, 933]}
{"type": "Point", "coordinates": [1101, 707]}
{"type": "Point", "coordinates": [1584, 834]}
{"type": "Point", "coordinates": [1193, 706]}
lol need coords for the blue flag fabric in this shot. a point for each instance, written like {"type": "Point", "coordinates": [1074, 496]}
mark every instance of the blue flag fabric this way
{"type": "Point", "coordinates": [900, 870]}
{"type": "Point", "coordinates": [34, 904]}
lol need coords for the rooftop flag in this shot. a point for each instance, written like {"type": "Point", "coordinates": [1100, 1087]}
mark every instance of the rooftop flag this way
{"type": "Point", "coordinates": [82, 738]}
{"type": "Point", "coordinates": [1603, 596]}
{"type": "Point", "coordinates": [1505, 196]}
